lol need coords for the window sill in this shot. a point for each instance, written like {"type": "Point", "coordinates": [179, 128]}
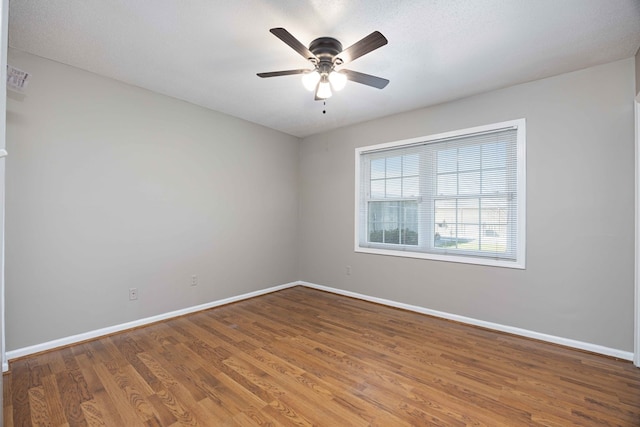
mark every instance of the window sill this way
{"type": "Point", "coordinates": [491, 262]}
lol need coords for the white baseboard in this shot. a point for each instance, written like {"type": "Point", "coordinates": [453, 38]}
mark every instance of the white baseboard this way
{"type": "Point", "coordinates": [25, 351]}
{"type": "Point", "coordinates": [594, 348]}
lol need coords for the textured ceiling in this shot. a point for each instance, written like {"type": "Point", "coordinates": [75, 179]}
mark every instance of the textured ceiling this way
{"type": "Point", "coordinates": [208, 52]}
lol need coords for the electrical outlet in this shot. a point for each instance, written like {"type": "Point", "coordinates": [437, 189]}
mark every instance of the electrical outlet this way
{"type": "Point", "coordinates": [348, 270]}
{"type": "Point", "coordinates": [133, 293]}
{"type": "Point", "coordinates": [194, 280]}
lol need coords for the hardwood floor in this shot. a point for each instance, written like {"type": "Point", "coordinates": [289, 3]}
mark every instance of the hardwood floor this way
{"type": "Point", "coordinates": [302, 357]}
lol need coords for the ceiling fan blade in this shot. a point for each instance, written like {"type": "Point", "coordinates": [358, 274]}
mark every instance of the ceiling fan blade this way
{"type": "Point", "coordinates": [364, 46]}
{"type": "Point", "coordinates": [293, 42]}
{"type": "Point", "coordinates": [282, 73]}
{"type": "Point", "coordinates": [366, 79]}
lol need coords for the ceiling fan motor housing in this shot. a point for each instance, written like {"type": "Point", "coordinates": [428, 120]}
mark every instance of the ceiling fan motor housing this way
{"type": "Point", "coordinates": [326, 49]}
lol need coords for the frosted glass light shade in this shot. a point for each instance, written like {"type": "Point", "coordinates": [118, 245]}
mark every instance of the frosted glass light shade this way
{"type": "Point", "coordinates": [338, 80]}
{"type": "Point", "coordinates": [324, 89]}
{"type": "Point", "coordinates": [310, 80]}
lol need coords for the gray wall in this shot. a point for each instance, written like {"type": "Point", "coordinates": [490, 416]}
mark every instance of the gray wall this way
{"type": "Point", "coordinates": [110, 187]}
{"type": "Point", "coordinates": [578, 283]}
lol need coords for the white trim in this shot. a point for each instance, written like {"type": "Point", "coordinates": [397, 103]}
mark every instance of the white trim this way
{"type": "Point", "coordinates": [513, 124]}
{"type": "Point", "coordinates": [441, 257]}
{"type": "Point", "coordinates": [636, 329]}
{"type": "Point", "coordinates": [25, 351]}
{"type": "Point", "coordinates": [4, 42]}
{"type": "Point", "coordinates": [594, 348]}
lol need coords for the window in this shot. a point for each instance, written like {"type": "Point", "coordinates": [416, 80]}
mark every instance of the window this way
{"type": "Point", "coordinates": [458, 196]}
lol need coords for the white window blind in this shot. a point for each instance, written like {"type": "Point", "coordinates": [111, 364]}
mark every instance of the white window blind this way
{"type": "Point", "coordinates": [457, 196]}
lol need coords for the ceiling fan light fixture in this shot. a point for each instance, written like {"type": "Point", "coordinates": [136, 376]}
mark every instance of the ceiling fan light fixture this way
{"type": "Point", "coordinates": [310, 80]}
{"type": "Point", "coordinates": [338, 80]}
{"type": "Point", "coordinates": [324, 89]}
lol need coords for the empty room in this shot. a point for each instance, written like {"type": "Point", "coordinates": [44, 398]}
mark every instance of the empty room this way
{"type": "Point", "coordinates": [320, 213]}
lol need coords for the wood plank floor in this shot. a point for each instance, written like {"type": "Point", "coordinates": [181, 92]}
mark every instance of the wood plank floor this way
{"type": "Point", "coordinates": [302, 357]}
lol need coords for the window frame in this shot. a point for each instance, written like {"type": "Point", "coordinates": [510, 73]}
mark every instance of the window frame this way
{"type": "Point", "coordinates": [425, 223]}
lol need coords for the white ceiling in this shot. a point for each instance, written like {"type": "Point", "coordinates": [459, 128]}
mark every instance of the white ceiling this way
{"type": "Point", "coordinates": [208, 52]}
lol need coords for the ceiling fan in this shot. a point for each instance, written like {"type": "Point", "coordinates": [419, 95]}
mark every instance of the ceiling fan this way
{"type": "Point", "coordinates": [325, 54]}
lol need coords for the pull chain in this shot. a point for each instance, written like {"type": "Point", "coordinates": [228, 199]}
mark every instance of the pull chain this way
{"type": "Point", "coordinates": [324, 111]}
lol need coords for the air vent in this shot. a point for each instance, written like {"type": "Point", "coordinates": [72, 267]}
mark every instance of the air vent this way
{"type": "Point", "coordinates": [16, 79]}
